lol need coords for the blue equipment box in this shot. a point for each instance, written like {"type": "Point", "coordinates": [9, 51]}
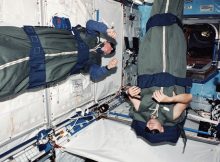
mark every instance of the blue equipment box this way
{"type": "Point", "coordinates": [202, 8]}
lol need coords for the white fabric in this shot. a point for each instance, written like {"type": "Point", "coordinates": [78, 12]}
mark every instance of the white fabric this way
{"type": "Point", "coordinates": [19, 12]}
{"type": "Point", "coordinates": [110, 141]}
{"type": "Point", "coordinates": [17, 117]}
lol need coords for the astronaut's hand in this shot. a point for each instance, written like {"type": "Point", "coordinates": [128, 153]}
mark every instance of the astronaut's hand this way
{"type": "Point", "coordinates": [159, 96]}
{"type": "Point", "coordinates": [112, 63]}
{"type": "Point", "coordinates": [111, 33]}
{"type": "Point", "coordinates": [134, 91]}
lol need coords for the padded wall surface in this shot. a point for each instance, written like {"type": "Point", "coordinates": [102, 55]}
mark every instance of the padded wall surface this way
{"type": "Point", "coordinates": [18, 120]}
{"type": "Point", "coordinates": [17, 13]}
{"type": "Point", "coordinates": [112, 16]}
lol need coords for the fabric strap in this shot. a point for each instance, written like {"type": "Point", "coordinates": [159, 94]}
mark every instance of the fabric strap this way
{"type": "Point", "coordinates": [83, 53]}
{"type": "Point", "coordinates": [37, 73]}
{"type": "Point", "coordinates": [162, 79]}
{"type": "Point", "coordinates": [163, 19]}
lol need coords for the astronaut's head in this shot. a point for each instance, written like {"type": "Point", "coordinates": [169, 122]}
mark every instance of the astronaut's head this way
{"type": "Point", "coordinates": [108, 48]}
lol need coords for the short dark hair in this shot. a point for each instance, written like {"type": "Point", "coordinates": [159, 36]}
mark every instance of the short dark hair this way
{"type": "Point", "coordinates": [113, 47]}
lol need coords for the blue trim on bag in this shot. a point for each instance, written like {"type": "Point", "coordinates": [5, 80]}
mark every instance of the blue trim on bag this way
{"type": "Point", "coordinates": [83, 53]}
{"type": "Point", "coordinates": [163, 19]}
{"type": "Point", "coordinates": [37, 73]}
{"type": "Point", "coordinates": [162, 80]}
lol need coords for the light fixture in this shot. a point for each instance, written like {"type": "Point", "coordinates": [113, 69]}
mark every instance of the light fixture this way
{"type": "Point", "coordinates": [149, 1]}
{"type": "Point", "coordinates": [138, 2]}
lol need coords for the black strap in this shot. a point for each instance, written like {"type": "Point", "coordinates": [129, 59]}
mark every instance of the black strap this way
{"type": "Point", "coordinates": [182, 131]}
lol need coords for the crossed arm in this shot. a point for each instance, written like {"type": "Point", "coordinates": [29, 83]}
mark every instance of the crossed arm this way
{"type": "Point", "coordinates": [184, 98]}
{"type": "Point", "coordinates": [181, 100]}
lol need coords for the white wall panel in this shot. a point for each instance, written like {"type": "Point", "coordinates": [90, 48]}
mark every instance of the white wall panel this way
{"type": "Point", "coordinates": [21, 116]}
{"type": "Point", "coordinates": [19, 12]}
{"type": "Point", "coordinates": [76, 91]}
{"type": "Point", "coordinates": [78, 11]}
{"type": "Point", "coordinates": [112, 15]}
{"type": "Point", "coordinates": [6, 125]}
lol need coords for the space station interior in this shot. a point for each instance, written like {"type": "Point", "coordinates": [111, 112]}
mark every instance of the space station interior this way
{"type": "Point", "coordinates": [75, 119]}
